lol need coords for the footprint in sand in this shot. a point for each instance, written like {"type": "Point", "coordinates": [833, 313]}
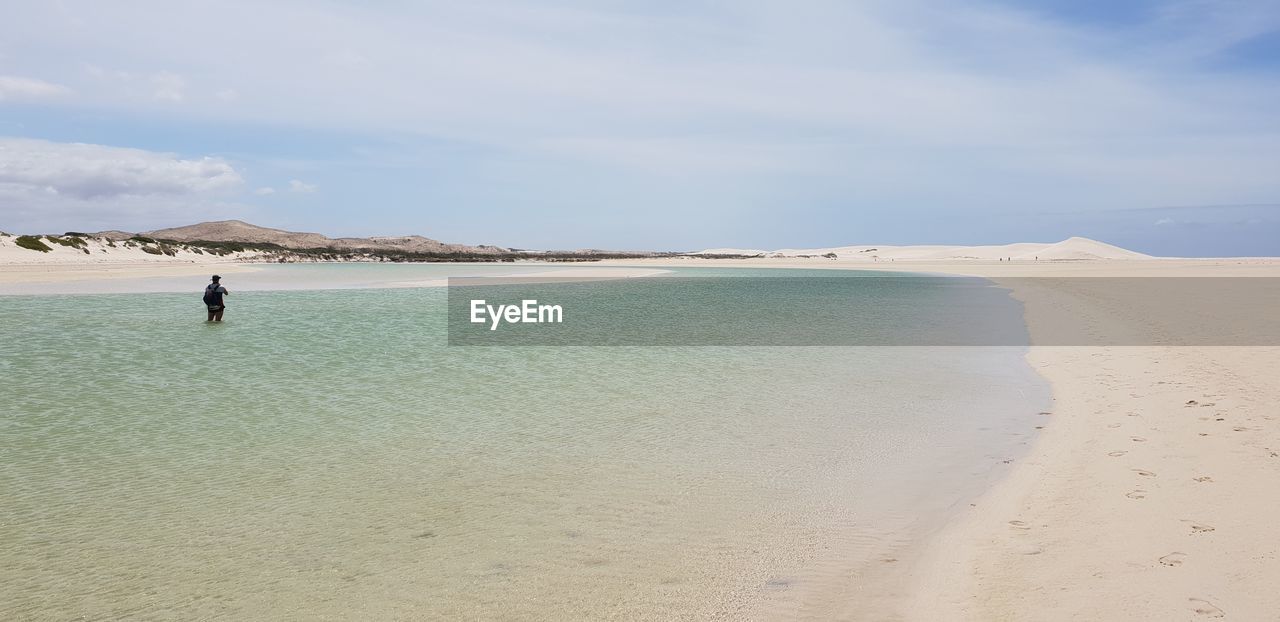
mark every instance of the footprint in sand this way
{"type": "Point", "coordinates": [1113, 425]}
{"type": "Point", "coordinates": [1137, 439]}
{"type": "Point", "coordinates": [1136, 494]}
{"type": "Point", "coordinates": [1192, 402]}
{"type": "Point", "coordinates": [1173, 559]}
{"type": "Point", "coordinates": [1206, 608]}
{"type": "Point", "coordinates": [1198, 527]}
{"type": "Point", "coordinates": [1203, 478]}
{"type": "Point", "coordinates": [1240, 429]}
{"type": "Point", "coordinates": [1017, 524]}
{"type": "Point", "coordinates": [1143, 472]}
{"type": "Point", "coordinates": [1117, 454]}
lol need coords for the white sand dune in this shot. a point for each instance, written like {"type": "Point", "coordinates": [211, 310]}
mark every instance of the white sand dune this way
{"type": "Point", "coordinates": [1073, 249]}
{"type": "Point", "coordinates": [105, 251]}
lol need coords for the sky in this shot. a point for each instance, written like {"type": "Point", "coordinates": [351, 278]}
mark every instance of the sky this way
{"type": "Point", "coordinates": [651, 125]}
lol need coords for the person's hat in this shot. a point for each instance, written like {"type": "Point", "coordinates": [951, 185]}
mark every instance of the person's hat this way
{"type": "Point", "coordinates": [216, 277]}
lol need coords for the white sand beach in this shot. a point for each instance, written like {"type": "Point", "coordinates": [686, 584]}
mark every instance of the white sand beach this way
{"type": "Point", "coordinates": [1150, 494]}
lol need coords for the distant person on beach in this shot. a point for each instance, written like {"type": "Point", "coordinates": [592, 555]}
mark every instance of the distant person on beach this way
{"type": "Point", "coordinates": [213, 294]}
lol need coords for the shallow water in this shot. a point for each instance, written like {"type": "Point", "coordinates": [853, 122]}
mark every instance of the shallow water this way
{"type": "Point", "coordinates": [325, 455]}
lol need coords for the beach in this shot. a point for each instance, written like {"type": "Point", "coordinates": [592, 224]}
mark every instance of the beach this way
{"type": "Point", "coordinates": [1147, 494]}
{"type": "Point", "coordinates": [739, 311]}
{"type": "Point", "coordinates": [1150, 494]}
{"type": "Point", "coordinates": [1151, 491]}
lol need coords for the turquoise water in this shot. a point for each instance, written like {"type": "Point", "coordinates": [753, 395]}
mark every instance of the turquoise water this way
{"type": "Point", "coordinates": [323, 454]}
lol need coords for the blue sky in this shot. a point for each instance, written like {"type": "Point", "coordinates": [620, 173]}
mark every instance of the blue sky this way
{"type": "Point", "coordinates": [1152, 125]}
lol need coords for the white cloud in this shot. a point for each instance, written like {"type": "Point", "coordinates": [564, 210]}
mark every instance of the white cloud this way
{"type": "Point", "coordinates": [16, 87]}
{"type": "Point", "coordinates": [894, 102]}
{"type": "Point", "coordinates": [265, 190]}
{"type": "Point", "coordinates": [168, 86]}
{"type": "Point", "coordinates": [227, 95]}
{"type": "Point", "coordinates": [54, 187]}
{"type": "Point", "coordinates": [300, 186]}
{"type": "Point", "coordinates": [85, 172]}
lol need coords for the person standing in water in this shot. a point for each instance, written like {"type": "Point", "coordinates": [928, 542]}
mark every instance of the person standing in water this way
{"type": "Point", "coordinates": [213, 294]}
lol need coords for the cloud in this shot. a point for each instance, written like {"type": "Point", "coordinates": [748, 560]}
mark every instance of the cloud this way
{"type": "Point", "coordinates": [52, 186]}
{"type": "Point", "coordinates": [872, 77]}
{"type": "Point", "coordinates": [301, 187]}
{"type": "Point", "coordinates": [876, 107]}
{"type": "Point", "coordinates": [95, 172]}
{"type": "Point", "coordinates": [168, 86]}
{"type": "Point", "coordinates": [265, 190]}
{"type": "Point", "coordinates": [15, 87]}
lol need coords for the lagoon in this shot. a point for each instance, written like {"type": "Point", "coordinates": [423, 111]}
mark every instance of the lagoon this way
{"type": "Point", "coordinates": [324, 453]}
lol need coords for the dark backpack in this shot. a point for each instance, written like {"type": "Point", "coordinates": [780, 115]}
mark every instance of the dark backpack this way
{"type": "Point", "coordinates": [211, 295]}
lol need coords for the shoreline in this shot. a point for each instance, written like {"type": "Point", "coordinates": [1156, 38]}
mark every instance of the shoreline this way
{"type": "Point", "coordinates": [64, 272]}
{"type": "Point", "coordinates": [167, 277]}
{"type": "Point", "coordinates": [1148, 494]}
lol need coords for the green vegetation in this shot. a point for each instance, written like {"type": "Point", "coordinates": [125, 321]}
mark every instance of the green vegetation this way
{"type": "Point", "coordinates": [73, 242]}
{"type": "Point", "coordinates": [239, 247]}
{"type": "Point", "coordinates": [33, 243]}
{"type": "Point", "coordinates": [268, 252]}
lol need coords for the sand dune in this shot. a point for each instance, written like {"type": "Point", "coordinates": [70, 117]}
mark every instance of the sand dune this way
{"type": "Point", "coordinates": [1073, 249]}
{"type": "Point", "coordinates": [105, 250]}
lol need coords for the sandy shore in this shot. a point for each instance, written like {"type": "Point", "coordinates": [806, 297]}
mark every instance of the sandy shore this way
{"type": "Point", "coordinates": [1152, 491]}
{"type": "Point", "coordinates": [1149, 495]}
{"type": "Point", "coordinates": [61, 273]}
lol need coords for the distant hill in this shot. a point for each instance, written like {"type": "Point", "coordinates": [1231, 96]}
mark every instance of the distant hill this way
{"type": "Point", "coordinates": [114, 235]}
{"type": "Point", "coordinates": [245, 233]}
